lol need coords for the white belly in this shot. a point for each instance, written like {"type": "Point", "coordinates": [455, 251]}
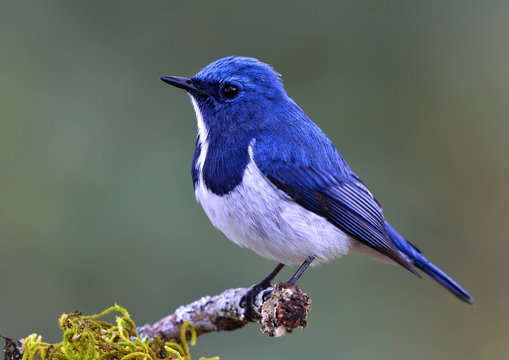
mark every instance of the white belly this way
{"type": "Point", "coordinates": [262, 218]}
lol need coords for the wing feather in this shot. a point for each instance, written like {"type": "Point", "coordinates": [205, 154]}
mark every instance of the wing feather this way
{"type": "Point", "coordinates": [343, 201]}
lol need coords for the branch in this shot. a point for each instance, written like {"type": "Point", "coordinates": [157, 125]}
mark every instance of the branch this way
{"type": "Point", "coordinates": [279, 310]}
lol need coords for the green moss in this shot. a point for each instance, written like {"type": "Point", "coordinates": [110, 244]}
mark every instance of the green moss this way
{"type": "Point", "coordinates": [88, 338]}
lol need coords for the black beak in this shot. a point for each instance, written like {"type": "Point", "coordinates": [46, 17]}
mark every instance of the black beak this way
{"type": "Point", "coordinates": [183, 83]}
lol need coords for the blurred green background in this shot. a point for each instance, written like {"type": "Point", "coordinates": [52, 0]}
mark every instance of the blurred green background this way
{"type": "Point", "coordinates": [96, 200]}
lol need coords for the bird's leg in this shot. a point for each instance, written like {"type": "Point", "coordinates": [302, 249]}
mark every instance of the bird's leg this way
{"type": "Point", "coordinates": [265, 283]}
{"type": "Point", "coordinates": [268, 280]}
{"type": "Point", "coordinates": [301, 270]}
{"type": "Point", "coordinates": [250, 302]}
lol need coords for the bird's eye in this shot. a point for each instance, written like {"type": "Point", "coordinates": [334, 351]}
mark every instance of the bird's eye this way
{"type": "Point", "coordinates": [229, 91]}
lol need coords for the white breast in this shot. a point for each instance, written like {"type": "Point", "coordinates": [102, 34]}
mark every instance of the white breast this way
{"type": "Point", "coordinates": [264, 219]}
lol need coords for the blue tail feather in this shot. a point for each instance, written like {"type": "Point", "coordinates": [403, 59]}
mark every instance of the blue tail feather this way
{"type": "Point", "coordinates": [417, 259]}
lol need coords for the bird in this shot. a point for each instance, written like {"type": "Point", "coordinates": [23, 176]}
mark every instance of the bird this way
{"type": "Point", "coordinates": [271, 180]}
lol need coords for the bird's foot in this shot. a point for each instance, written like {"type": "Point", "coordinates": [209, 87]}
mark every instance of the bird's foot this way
{"type": "Point", "coordinates": [254, 299]}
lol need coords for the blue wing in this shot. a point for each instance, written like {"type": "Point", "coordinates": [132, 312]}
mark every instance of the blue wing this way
{"type": "Point", "coordinates": [312, 172]}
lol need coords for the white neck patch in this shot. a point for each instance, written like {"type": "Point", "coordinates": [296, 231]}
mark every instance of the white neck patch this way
{"type": "Point", "coordinates": [202, 137]}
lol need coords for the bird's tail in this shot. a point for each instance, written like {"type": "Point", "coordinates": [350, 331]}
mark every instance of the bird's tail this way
{"type": "Point", "coordinates": [417, 259]}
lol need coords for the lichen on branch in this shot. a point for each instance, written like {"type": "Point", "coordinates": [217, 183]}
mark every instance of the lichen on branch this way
{"type": "Point", "coordinates": [280, 310]}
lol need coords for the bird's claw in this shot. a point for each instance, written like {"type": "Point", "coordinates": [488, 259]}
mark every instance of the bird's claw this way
{"type": "Point", "coordinates": [254, 299]}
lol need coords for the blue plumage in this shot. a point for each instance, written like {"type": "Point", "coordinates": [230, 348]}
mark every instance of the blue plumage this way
{"type": "Point", "coordinates": [271, 180]}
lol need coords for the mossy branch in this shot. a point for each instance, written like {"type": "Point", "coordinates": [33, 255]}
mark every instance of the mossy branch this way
{"type": "Point", "coordinates": [280, 309]}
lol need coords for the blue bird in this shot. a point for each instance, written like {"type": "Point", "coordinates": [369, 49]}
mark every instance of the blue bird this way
{"type": "Point", "coordinates": [272, 181]}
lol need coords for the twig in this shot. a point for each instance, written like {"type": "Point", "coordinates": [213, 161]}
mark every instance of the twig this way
{"type": "Point", "coordinates": [280, 309]}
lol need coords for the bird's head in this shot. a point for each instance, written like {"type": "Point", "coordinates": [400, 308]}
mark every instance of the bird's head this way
{"type": "Point", "coordinates": [234, 93]}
